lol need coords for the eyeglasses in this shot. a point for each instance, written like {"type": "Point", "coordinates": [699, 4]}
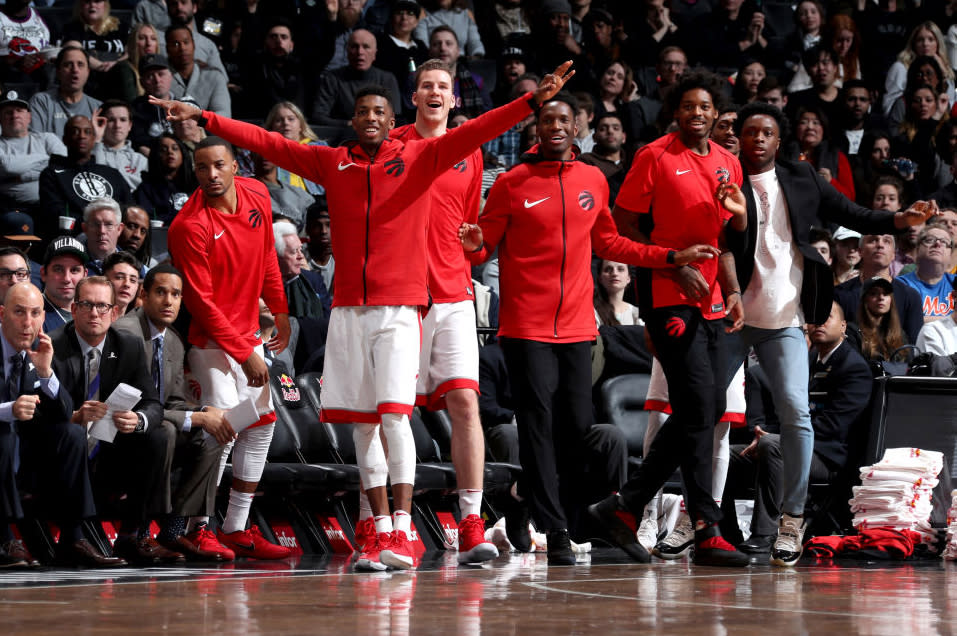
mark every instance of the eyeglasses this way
{"type": "Point", "coordinates": [7, 275]}
{"type": "Point", "coordinates": [930, 241]}
{"type": "Point", "coordinates": [98, 225]}
{"type": "Point", "coordinates": [87, 306]}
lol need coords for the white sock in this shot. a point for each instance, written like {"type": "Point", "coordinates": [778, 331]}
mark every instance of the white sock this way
{"type": "Point", "coordinates": [402, 521]}
{"type": "Point", "coordinates": [195, 521]}
{"type": "Point", "coordinates": [383, 523]}
{"type": "Point", "coordinates": [470, 502]}
{"type": "Point", "coordinates": [237, 513]}
{"type": "Point", "coordinates": [365, 508]}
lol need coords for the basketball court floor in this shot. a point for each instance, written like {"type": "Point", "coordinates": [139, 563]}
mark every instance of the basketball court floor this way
{"type": "Point", "coordinates": [514, 595]}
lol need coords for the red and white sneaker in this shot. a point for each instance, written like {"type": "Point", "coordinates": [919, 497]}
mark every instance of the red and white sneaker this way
{"type": "Point", "coordinates": [252, 544]}
{"type": "Point", "coordinates": [396, 551]}
{"type": "Point", "coordinates": [367, 546]}
{"type": "Point", "coordinates": [207, 546]}
{"type": "Point", "coordinates": [473, 548]}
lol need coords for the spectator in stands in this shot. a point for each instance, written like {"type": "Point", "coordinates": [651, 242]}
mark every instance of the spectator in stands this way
{"type": "Point", "coordinates": [188, 132]}
{"type": "Point", "coordinates": [305, 290]}
{"type": "Point", "coordinates": [278, 73]}
{"type": "Point", "coordinates": [931, 278]}
{"type": "Point", "coordinates": [809, 19]}
{"type": "Point", "coordinates": [200, 433]}
{"type": "Point", "coordinates": [503, 24]}
{"type": "Point", "coordinates": [338, 87]}
{"type": "Point", "coordinates": [169, 180]}
{"type": "Point", "coordinates": [618, 93]}
{"type": "Point", "coordinates": [103, 37]}
{"type": "Point", "coordinates": [874, 161]}
{"type": "Point", "coordinates": [889, 195]}
{"type": "Point", "coordinates": [856, 118]}
{"type": "Point", "coordinates": [456, 15]}
{"type": "Point", "coordinates": [335, 30]}
{"type": "Point", "coordinates": [52, 108]}
{"type": "Point", "coordinates": [554, 44]}
{"type": "Point", "coordinates": [14, 268]}
{"type": "Point", "coordinates": [399, 51]}
{"type": "Point", "coordinates": [733, 31]}
{"type": "Point", "coordinates": [812, 144]}
{"type": "Point", "coordinates": [63, 267]}
{"type": "Point", "coordinates": [585, 139]}
{"type": "Point", "coordinates": [607, 155]}
{"type": "Point", "coordinates": [23, 37]}
{"type": "Point", "coordinates": [149, 121]}
{"type": "Point", "coordinates": [722, 133]}
{"type": "Point", "coordinates": [881, 333]}
{"type": "Point", "coordinates": [770, 91]}
{"type": "Point", "coordinates": [287, 119]}
{"type": "Point", "coordinates": [822, 241]}
{"type": "Point", "coordinates": [512, 64]}
{"type": "Point", "coordinates": [924, 70]}
{"type": "Point", "coordinates": [948, 220]}
{"type": "Point", "coordinates": [287, 201]}
{"type": "Point", "coordinates": [471, 95]}
{"type": "Point", "coordinates": [940, 336]}
{"type": "Point", "coordinates": [600, 42]}
{"type": "Point", "coordinates": [658, 29]}
{"type": "Point", "coordinates": [151, 12]}
{"type": "Point", "coordinates": [877, 252]}
{"type": "Point", "coordinates": [847, 254]}
{"type": "Point", "coordinates": [124, 271]}
{"type": "Point", "coordinates": [915, 138]}
{"type": "Point", "coordinates": [102, 224]}
{"type": "Point", "coordinates": [840, 382]}
{"type": "Point", "coordinates": [746, 82]}
{"type": "Point", "coordinates": [505, 149]}
{"type": "Point", "coordinates": [135, 235]}
{"type": "Point", "coordinates": [23, 154]}
{"type": "Point", "coordinates": [925, 39]}
{"type": "Point", "coordinates": [113, 123]}
{"type": "Point", "coordinates": [69, 183]}
{"type": "Point", "coordinates": [610, 306]}
{"type": "Point", "coordinates": [206, 85]}
{"type": "Point", "coordinates": [824, 93]}
{"type": "Point", "coordinates": [844, 38]}
{"type": "Point", "coordinates": [319, 248]}
{"type": "Point", "coordinates": [91, 359]}
{"type": "Point", "coordinates": [183, 13]}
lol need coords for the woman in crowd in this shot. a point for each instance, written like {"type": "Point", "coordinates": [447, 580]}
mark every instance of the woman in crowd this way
{"type": "Point", "coordinates": [169, 181]}
{"type": "Point", "coordinates": [286, 119]}
{"type": "Point", "coordinates": [103, 37]}
{"type": "Point", "coordinates": [809, 17]}
{"type": "Point", "coordinates": [610, 305]}
{"type": "Point", "coordinates": [746, 82]}
{"type": "Point", "coordinates": [925, 39]}
{"type": "Point", "coordinates": [881, 333]}
{"type": "Point", "coordinates": [845, 39]}
{"type": "Point", "coordinates": [811, 144]}
{"type": "Point", "coordinates": [915, 139]}
{"type": "Point", "coordinates": [924, 70]}
{"type": "Point", "coordinates": [143, 41]}
{"type": "Point", "coordinates": [618, 93]}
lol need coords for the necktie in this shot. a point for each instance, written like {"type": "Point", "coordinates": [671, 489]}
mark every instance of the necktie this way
{"type": "Point", "coordinates": [156, 369]}
{"type": "Point", "coordinates": [93, 375]}
{"type": "Point", "coordinates": [13, 380]}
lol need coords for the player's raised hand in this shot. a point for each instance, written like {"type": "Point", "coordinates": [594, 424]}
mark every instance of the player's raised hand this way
{"type": "Point", "coordinates": [731, 197]}
{"type": "Point", "coordinates": [177, 111]}
{"type": "Point", "coordinates": [696, 253]}
{"type": "Point", "coordinates": [919, 212]}
{"type": "Point", "coordinates": [471, 237]}
{"type": "Point", "coordinates": [553, 82]}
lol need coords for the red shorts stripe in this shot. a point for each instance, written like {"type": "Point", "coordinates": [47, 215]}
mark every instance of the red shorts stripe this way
{"type": "Point", "coordinates": [396, 408]}
{"type": "Point", "coordinates": [436, 401]}
{"type": "Point", "coordinates": [345, 416]}
{"type": "Point", "coordinates": [264, 419]}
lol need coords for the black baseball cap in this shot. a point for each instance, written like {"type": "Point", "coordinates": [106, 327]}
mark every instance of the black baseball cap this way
{"type": "Point", "coordinates": [877, 281]}
{"type": "Point", "coordinates": [17, 226]}
{"type": "Point", "coordinates": [65, 245]}
{"type": "Point", "coordinates": [154, 60]}
{"type": "Point", "coordinates": [14, 98]}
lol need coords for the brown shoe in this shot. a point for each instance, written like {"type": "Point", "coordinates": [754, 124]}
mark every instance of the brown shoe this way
{"type": "Point", "coordinates": [194, 552]}
{"type": "Point", "coordinates": [85, 554]}
{"type": "Point", "coordinates": [145, 551]}
{"type": "Point", "coordinates": [18, 550]}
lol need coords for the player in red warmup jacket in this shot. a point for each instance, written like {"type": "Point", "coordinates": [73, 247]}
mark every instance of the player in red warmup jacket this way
{"type": "Point", "coordinates": [378, 194]}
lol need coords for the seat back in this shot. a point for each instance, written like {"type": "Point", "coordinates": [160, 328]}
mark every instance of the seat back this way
{"type": "Point", "coordinates": [624, 400]}
{"type": "Point", "coordinates": [426, 448]}
{"type": "Point", "coordinates": [439, 425]}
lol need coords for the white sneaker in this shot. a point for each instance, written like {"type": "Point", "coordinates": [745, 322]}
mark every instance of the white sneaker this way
{"type": "Point", "coordinates": [648, 533]}
{"type": "Point", "coordinates": [679, 542]}
{"type": "Point", "coordinates": [789, 544]}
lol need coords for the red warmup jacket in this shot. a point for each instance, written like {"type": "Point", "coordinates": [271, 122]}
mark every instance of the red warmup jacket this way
{"type": "Point", "coordinates": [455, 199]}
{"type": "Point", "coordinates": [378, 206]}
{"type": "Point", "coordinates": [549, 217]}
{"type": "Point", "coordinates": [228, 262]}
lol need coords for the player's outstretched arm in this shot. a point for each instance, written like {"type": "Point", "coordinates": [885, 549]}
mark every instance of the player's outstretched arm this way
{"type": "Point", "coordinates": [553, 82]}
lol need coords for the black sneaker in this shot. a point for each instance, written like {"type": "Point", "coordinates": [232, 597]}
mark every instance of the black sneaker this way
{"type": "Point", "coordinates": [757, 544]}
{"type": "Point", "coordinates": [10, 561]}
{"type": "Point", "coordinates": [678, 542]}
{"type": "Point", "coordinates": [516, 524]}
{"type": "Point", "coordinates": [560, 548]}
{"type": "Point", "coordinates": [711, 549]}
{"type": "Point", "coordinates": [788, 545]}
{"type": "Point", "coordinates": [607, 512]}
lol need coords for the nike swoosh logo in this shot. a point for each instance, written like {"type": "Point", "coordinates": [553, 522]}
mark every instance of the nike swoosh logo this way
{"type": "Point", "coordinates": [250, 547]}
{"type": "Point", "coordinates": [534, 203]}
{"type": "Point", "coordinates": [681, 172]}
{"type": "Point", "coordinates": [57, 170]}
{"type": "Point", "coordinates": [216, 236]}
{"type": "Point", "coordinates": [343, 167]}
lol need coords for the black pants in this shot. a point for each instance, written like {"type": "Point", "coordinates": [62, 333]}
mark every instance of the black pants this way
{"type": "Point", "coordinates": [690, 352]}
{"type": "Point", "coordinates": [551, 387]}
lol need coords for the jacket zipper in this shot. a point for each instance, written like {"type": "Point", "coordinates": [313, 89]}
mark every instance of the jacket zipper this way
{"type": "Point", "coordinates": [365, 263]}
{"type": "Point", "coordinates": [561, 275]}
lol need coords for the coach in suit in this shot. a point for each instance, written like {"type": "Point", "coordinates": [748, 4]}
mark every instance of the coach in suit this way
{"type": "Point", "coordinates": [92, 359]}
{"type": "Point", "coordinates": [200, 433]}
{"type": "Point", "coordinates": [782, 283]}
{"type": "Point", "coordinates": [35, 409]}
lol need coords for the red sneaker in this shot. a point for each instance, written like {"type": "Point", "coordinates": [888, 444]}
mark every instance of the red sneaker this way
{"type": "Point", "coordinates": [473, 548]}
{"type": "Point", "coordinates": [207, 547]}
{"type": "Point", "coordinates": [367, 545]}
{"type": "Point", "coordinates": [365, 535]}
{"type": "Point", "coordinates": [396, 551]}
{"type": "Point", "coordinates": [252, 544]}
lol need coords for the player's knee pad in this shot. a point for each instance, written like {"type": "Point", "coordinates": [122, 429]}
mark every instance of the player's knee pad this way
{"type": "Point", "coordinates": [249, 452]}
{"type": "Point", "coordinates": [373, 469]}
{"type": "Point", "coordinates": [398, 433]}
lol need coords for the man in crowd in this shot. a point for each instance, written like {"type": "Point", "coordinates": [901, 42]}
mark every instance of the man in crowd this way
{"type": "Point", "coordinates": [206, 85]}
{"type": "Point", "coordinates": [183, 13]}
{"type": "Point", "coordinates": [607, 154]}
{"type": "Point", "coordinates": [23, 154]}
{"type": "Point", "coordinates": [63, 267]}
{"type": "Point", "coordinates": [931, 279]}
{"type": "Point", "coordinates": [123, 270]}
{"type": "Point", "coordinates": [306, 292]}
{"type": "Point", "coordinates": [113, 123]}
{"type": "Point", "coordinates": [102, 224]}
{"type": "Point", "coordinates": [149, 121]}
{"type": "Point", "coordinates": [319, 249]}
{"type": "Point", "coordinates": [52, 108]}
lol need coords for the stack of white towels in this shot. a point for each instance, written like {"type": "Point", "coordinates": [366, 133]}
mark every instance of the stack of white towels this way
{"type": "Point", "coordinates": [950, 551]}
{"type": "Point", "coordinates": [895, 493]}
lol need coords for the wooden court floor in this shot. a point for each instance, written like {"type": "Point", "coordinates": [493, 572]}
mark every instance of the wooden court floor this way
{"type": "Point", "coordinates": [514, 595]}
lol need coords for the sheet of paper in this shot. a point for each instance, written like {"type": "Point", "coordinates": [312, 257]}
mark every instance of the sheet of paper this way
{"type": "Point", "coordinates": [243, 415]}
{"type": "Point", "coordinates": [123, 398]}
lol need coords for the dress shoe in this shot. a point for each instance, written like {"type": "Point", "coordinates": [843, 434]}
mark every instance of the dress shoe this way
{"type": "Point", "coordinates": [757, 544]}
{"type": "Point", "coordinates": [145, 551]}
{"type": "Point", "coordinates": [560, 548]}
{"type": "Point", "coordinates": [85, 554]}
{"type": "Point", "coordinates": [8, 560]}
{"type": "Point", "coordinates": [18, 550]}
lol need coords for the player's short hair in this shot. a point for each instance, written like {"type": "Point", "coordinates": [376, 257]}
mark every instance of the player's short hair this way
{"type": "Point", "coordinates": [566, 98]}
{"type": "Point", "coordinates": [212, 141]}
{"type": "Point", "coordinates": [378, 91]}
{"type": "Point", "coordinates": [162, 268]}
{"type": "Point", "coordinates": [434, 64]}
{"type": "Point", "coordinates": [698, 79]}
{"type": "Point", "coordinates": [762, 108]}
{"type": "Point", "coordinates": [122, 256]}
{"type": "Point", "coordinates": [95, 280]}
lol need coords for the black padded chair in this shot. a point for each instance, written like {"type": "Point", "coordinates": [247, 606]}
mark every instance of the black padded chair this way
{"type": "Point", "coordinates": [624, 400]}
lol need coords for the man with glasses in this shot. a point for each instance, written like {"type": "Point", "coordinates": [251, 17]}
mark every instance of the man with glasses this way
{"type": "Point", "coordinates": [13, 269]}
{"type": "Point", "coordinates": [931, 279]}
{"type": "Point", "coordinates": [91, 359]}
{"type": "Point", "coordinates": [102, 224]}
{"type": "Point", "coordinates": [63, 267]}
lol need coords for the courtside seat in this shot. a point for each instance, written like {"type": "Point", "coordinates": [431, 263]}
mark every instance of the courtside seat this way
{"type": "Point", "coordinates": [431, 472]}
{"type": "Point", "coordinates": [623, 397]}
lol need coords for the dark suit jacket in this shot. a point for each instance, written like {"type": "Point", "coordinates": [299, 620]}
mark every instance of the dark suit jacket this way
{"type": "Point", "coordinates": [50, 410]}
{"type": "Point", "coordinates": [122, 361]}
{"type": "Point", "coordinates": [811, 202]}
{"type": "Point", "coordinates": [839, 394]}
{"type": "Point", "coordinates": [173, 399]}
